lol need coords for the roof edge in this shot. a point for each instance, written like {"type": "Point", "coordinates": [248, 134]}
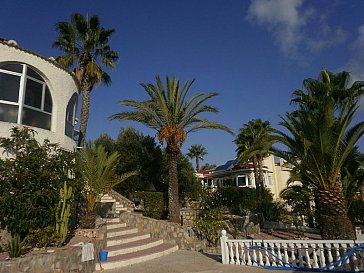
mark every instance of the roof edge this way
{"type": "Point", "coordinates": [55, 63]}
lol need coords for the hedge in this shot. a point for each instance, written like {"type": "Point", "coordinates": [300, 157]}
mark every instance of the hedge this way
{"type": "Point", "coordinates": [154, 205]}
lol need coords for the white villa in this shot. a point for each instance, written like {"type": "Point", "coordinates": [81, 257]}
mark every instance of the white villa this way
{"type": "Point", "coordinates": [37, 92]}
{"type": "Point", "coordinates": [276, 175]}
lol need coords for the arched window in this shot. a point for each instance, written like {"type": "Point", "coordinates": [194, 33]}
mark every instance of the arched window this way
{"type": "Point", "coordinates": [24, 96]}
{"type": "Point", "coordinates": [71, 115]}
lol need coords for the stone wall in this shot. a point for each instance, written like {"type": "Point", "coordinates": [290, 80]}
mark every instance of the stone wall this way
{"type": "Point", "coordinates": [189, 216]}
{"type": "Point", "coordinates": [243, 227]}
{"type": "Point", "coordinates": [62, 260]}
{"type": "Point", "coordinates": [172, 233]}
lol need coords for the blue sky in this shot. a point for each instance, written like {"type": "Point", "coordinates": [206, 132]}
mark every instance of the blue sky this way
{"type": "Point", "coordinates": [254, 53]}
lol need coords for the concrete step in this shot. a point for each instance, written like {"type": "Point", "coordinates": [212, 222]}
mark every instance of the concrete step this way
{"type": "Point", "coordinates": [137, 257]}
{"type": "Point", "coordinates": [124, 239]}
{"type": "Point", "coordinates": [112, 226]}
{"type": "Point", "coordinates": [121, 209]}
{"type": "Point", "coordinates": [134, 246]}
{"type": "Point", "coordinates": [107, 200]}
{"type": "Point", "coordinates": [121, 231]}
{"type": "Point", "coordinates": [112, 220]}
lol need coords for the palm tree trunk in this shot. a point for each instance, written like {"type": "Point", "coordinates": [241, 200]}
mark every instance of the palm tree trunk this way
{"type": "Point", "coordinates": [197, 164]}
{"type": "Point", "coordinates": [85, 109]}
{"type": "Point", "coordinates": [362, 193]}
{"type": "Point", "coordinates": [173, 196]}
{"type": "Point", "coordinates": [261, 175]}
{"type": "Point", "coordinates": [332, 216]}
{"type": "Point", "coordinates": [256, 175]}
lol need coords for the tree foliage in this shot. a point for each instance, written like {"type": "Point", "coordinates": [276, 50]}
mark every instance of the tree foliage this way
{"type": "Point", "coordinates": [99, 173]}
{"type": "Point", "coordinates": [140, 153]}
{"type": "Point", "coordinates": [173, 115]}
{"type": "Point", "coordinates": [31, 176]}
{"type": "Point", "coordinates": [86, 50]}
{"type": "Point", "coordinates": [197, 152]}
{"type": "Point", "coordinates": [320, 139]}
{"type": "Point", "coordinates": [254, 142]}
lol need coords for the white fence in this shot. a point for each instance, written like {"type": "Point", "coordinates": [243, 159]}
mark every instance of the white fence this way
{"type": "Point", "coordinates": [297, 253]}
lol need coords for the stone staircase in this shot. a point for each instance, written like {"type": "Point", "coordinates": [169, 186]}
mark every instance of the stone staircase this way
{"type": "Point", "coordinates": [117, 205]}
{"type": "Point", "coordinates": [126, 246]}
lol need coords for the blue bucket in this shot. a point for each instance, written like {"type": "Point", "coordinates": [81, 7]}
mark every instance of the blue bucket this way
{"type": "Point", "coordinates": [103, 255]}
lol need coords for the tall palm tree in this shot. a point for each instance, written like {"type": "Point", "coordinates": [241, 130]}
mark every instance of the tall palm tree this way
{"type": "Point", "coordinates": [86, 50]}
{"type": "Point", "coordinates": [198, 152]}
{"type": "Point", "coordinates": [254, 143]}
{"type": "Point", "coordinates": [319, 142]}
{"type": "Point", "coordinates": [173, 116]}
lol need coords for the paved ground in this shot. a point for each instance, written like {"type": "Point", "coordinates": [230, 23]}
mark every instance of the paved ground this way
{"type": "Point", "coordinates": [183, 261]}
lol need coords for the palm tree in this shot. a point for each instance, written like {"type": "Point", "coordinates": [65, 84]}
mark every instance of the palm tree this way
{"type": "Point", "coordinates": [173, 116]}
{"type": "Point", "coordinates": [86, 49]}
{"type": "Point", "coordinates": [198, 152]}
{"type": "Point", "coordinates": [208, 166]}
{"type": "Point", "coordinates": [319, 142]}
{"type": "Point", "coordinates": [99, 172]}
{"type": "Point", "coordinates": [254, 143]}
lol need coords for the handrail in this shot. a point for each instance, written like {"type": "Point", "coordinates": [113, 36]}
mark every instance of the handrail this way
{"type": "Point", "coordinates": [311, 254]}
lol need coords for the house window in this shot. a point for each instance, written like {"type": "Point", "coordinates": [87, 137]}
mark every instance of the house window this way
{"type": "Point", "coordinates": [241, 181]}
{"type": "Point", "coordinates": [270, 180]}
{"type": "Point", "coordinates": [24, 96]}
{"type": "Point", "coordinates": [70, 116]}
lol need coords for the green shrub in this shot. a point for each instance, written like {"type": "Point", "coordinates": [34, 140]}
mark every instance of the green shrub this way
{"type": "Point", "coordinates": [209, 226]}
{"type": "Point", "coordinates": [30, 180]}
{"type": "Point", "coordinates": [239, 200]}
{"type": "Point", "coordinates": [154, 205]}
{"type": "Point", "coordinates": [272, 211]}
{"type": "Point", "coordinates": [356, 211]}
{"type": "Point", "coordinates": [42, 237]}
{"type": "Point", "coordinates": [211, 221]}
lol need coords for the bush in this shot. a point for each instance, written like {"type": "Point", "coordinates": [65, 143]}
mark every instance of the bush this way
{"type": "Point", "coordinates": [272, 211]}
{"type": "Point", "coordinates": [356, 211]}
{"type": "Point", "coordinates": [30, 180]}
{"type": "Point", "coordinates": [209, 226]}
{"type": "Point", "coordinates": [239, 200]}
{"type": "Point", "coordinates": [244, 200]}
{"type": "Point", "coordinates": [42, 237]}
{"type": "Point", "coordinates": [154, 205]}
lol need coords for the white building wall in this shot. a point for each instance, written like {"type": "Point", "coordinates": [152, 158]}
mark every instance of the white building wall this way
{"type": "Point", "coordinates": [61, 85]}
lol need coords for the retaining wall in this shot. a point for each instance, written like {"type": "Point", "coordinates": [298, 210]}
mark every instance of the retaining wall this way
{"type": "Point", "coordinates": [62, 260]}
{"type": "Point", "coordinates": [172, 233]}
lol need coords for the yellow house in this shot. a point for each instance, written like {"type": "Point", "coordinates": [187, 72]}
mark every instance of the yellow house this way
{"type": "Point", "coordinates": [276, 174]}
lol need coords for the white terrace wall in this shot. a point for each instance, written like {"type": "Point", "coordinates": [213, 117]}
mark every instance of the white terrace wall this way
{"type": "Point", "coordinates": [297, 253]}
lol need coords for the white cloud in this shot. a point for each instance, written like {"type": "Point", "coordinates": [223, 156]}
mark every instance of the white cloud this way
{"type": "Point", "coordinates": [297, 29]}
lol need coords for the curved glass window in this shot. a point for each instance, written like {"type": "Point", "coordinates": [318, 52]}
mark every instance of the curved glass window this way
{"type": "Point", "coordinates": [71, 115]}
{"type": "Point", "coordinates": [24, 96]}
